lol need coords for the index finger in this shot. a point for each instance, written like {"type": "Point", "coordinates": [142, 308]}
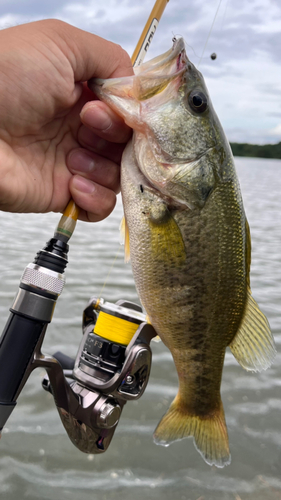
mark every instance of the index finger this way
{"type": "Point", "coordinates": [105, 122]}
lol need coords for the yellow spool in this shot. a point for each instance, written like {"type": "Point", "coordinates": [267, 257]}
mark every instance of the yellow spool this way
{"type": "Point", "coordinates": [115, 329]}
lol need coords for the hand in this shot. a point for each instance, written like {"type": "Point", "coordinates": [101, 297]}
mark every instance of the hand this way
{"type": "Point", "coordinates": [46, 155]}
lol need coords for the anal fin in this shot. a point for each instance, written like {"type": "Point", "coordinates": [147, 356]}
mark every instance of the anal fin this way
{"type": "Point", "coordinates": [253, 346]}
{"type": "Point", "coordinates": [156, 338]}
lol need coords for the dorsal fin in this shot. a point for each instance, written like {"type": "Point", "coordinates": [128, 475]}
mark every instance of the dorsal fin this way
{"type": "Point", "coordinates": [248, 250]}
{"type": "Point", "coordinates": [253, 345]}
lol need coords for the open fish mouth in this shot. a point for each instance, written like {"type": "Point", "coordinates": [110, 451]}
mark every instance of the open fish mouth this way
{"type": "Point", "coordinates": [150, 77]}
{"type": "Point", "coordinates": [172, 61]}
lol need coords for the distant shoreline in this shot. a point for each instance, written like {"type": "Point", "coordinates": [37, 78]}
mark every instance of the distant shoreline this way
{"type": "Point", "coordinates": [256, 150]}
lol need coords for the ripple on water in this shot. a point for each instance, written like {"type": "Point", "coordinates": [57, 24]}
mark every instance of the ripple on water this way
{"type": "Point", "coordinates": [36, 458]}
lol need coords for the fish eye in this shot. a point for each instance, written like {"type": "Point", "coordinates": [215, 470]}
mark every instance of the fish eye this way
{"type": "Point", "coordinates": [197, 101]}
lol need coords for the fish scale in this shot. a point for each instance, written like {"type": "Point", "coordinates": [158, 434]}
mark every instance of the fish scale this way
{"type": "Point", "coordinates": [189, 241]}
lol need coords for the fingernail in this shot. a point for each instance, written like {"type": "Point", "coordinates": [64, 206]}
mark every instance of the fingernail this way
{"type": "Point", "coordinates": [79, 161]}
{"type": "Point", "coordinates": [96, 117]}
{"type": "Point", "coordinates": [83, 185]}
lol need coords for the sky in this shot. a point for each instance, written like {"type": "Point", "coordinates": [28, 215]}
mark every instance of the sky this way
{"type": "Point", "coordinates": [244, 81]}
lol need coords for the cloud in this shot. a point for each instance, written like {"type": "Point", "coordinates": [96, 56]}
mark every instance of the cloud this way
{"type": "Point", "coordinates": [276, 130]}
{"type": "Point", "coordinates": [244, 79]}
{"type": "Point", "coordinates": [31, 8]}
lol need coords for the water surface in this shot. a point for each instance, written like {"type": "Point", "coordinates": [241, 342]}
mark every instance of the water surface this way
{"type": "Point", "coordinates": [37, 460]}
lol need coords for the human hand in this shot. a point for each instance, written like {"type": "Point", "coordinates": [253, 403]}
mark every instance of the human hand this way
{"type": "Point", "coordinates": [46, 155]}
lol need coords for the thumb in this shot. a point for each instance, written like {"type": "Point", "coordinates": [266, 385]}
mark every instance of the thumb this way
{"type": "Point", "coordinates": [90, 55]}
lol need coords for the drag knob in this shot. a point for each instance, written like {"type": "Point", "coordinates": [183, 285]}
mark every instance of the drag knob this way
{"type": "Point", "coordinates": [109, 415]}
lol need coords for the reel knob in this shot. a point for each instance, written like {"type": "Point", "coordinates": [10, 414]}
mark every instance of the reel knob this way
{"type": "Point", "coordinates": [109, 415]}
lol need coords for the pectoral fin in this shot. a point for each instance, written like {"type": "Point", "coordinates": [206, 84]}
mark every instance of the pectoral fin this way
{"type": "Point", "coordinates": [124, 232]}
{"type": "Point", "coordinates": [253, 345]}
{"type": "Point", "coordinates": [166, 238]}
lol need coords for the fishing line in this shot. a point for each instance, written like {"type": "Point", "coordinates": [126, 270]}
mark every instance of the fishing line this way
{"type": "Point", "coordinates": [211, 29]}
{"type": "Point", "coordinates": [109, 272]}
{"type": "Point", "coordinates": [196, 55]}
{"type": "Point", "coordinates": [187, 45]}
{"type": "Point", "coordinates": [224, 16]}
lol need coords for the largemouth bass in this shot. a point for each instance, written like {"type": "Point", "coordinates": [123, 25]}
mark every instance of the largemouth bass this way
{"type": "Point", "coordinates": [189, 241]}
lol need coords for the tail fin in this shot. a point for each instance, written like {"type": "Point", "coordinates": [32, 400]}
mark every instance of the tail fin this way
{"type": "Point", "coordinates": [209, 433]}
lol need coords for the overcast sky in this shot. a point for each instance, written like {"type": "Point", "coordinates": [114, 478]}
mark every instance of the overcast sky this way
{"type": "Point", "coordinates": [244, 81]}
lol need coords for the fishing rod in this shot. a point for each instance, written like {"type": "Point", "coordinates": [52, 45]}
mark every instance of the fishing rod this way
{"type": "Point", "coordinates": [113, 362]}
{"type": "Point", "coordinates": [70, 215]}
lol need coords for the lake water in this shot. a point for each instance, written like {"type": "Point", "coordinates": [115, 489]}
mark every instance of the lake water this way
{"type": "Point", "coordinates": [37, 460]}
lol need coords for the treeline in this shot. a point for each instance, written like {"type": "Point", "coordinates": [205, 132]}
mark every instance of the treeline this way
{"type": "Point", "coordinates": [256, 150]}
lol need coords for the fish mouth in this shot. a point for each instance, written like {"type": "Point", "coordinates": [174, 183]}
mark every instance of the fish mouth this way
{"type": "Point", "coordinates": [126, 95]}
{"type": "Point", "coordinates": [171, 62]}
{"type": "Point", "coordinates": [154, 75]}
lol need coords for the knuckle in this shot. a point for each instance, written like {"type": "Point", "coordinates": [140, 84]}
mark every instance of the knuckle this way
{"type": "Point", "coordinates": [123, 59]}
{"type": "Point", "coordinates": [104, 208]}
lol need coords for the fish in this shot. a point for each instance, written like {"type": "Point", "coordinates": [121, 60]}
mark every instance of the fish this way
{"type": "Point", "coordinates": [189, 241]}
